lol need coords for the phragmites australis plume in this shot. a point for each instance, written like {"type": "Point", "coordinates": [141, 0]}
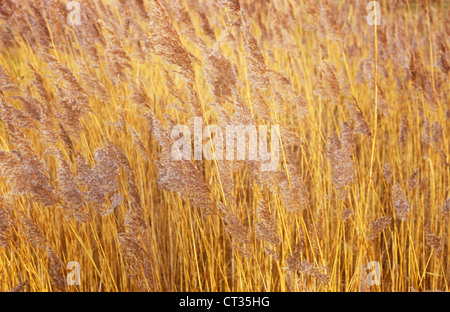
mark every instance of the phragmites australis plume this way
{"type": "Point", "coordinates": [420, 79]}
{"type": "Point", "coordinates": [266, 227]}
{"type": "Point", "coordinates": [24, 169]}
{"type": "Point", "coordinates": [436, 243]}
{"type": "Point", "coordinates": [361, 125]}
{"type": "Point", "coordinates": [363, 283]}
{"type": "Point", "coordinates": [387, 172]}
{"type": "Point", "coordinates": [283, 83]}
{"type": "Point", "coordinates": [413, 179]}
{"type": "Point", "coordinates": [69, 190]}
{"type": "Point", "coordinates": [401, 204]}
{"type": "Point", "coordinates": [180, 176]}
{"type": "Point", "coordinates": [296, 195]}
{"type": "Point", "coordinates": [167, 44]}
{"type": "Point", "coordinates": [256, 66]}
{"type": "Point", "coordinates": [404, 131]}
{"type": "Point", "coordinates": [102, 179]}
{"type": "Point", "coordinates": [166, 41]}
{"type": "Point", "coordinates": [347, 214]}
{"type": "Point", "coordinates": [309, 269]}
{"type": "Point", "coordinates": [6, 82]}
{"type": "Point", "coordinates": [446, 207]}
{"type": "Point", "coordinates": [340, 156]}
{"type": "Point", "coordinates": [183, 18]}
{"type": "Point", "coordinates": [237, 231]}
{"type": "Point", "coordinates": [227, 180]}
{"type": "Point", "coordinates": [329, 20]}
{"type": "Point", "coordinates": [118, 61]}
{"type": "Point", "coordinates": [378, 226]}
{"type": "Point", "coordinates": [134, 242]}
{"type": "Point", "coordinates": [219, 73]}
{"type": "Point", "coordinates": [74, 93]}
{"type": "Point", "coordinates": [233, 8]}
{"type": "Point", "coordinates": [6, 223]}
{"type": "Point", "coordinates": [329, 87]}
{"type": "Point", "coordinates": [38, 240]}
{"type": "Point", "coordinates": [442, 62]}
{"type": "Point", "coordinates": [20, 287]}
{"type": "Point", "coordinates": [12, 115]}
{"type": "Point", "coordinates": [205, 24]}
{"type": "Point", "coordinates": [31, 106]}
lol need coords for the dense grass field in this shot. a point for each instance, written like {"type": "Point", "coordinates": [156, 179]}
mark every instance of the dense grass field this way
{"type": "Point", "coordinates": [93, 95]}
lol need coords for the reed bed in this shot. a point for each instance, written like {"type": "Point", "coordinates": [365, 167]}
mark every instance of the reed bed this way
{"type": "Point", "coordinates": [90, 95]}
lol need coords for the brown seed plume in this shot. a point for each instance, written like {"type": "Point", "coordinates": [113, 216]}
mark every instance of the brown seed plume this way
{"type": "Point", "coordinates": [361, 125]}
{"type": "Point", "coordinates": [340, 156]}
{"type": "Point", "coordinates": [22, 286]}
{"type": "Point", "coordinates": [442, 62]}
{"type": "Point", "coordinates": [436, 243]}
{"type": "Point", "coordinates": [347, 214]}
{"type": "Point", "coordinates": [401, 204]}
{"type": "Point", "coordinates": [387, 172]}
{"type": "Point", "coordinates": [329, 87]}
{"type": "Point", "coordinates": [34, 235]}
{"type": "Point", "coordinates": [378, 226]}
{"type": "Point", "coordinates": [6, 223]}
{"type": "Point", "coordinates": [166, 41]}
{"type": "Point", "coordinates": [6, 82]}
{"type": "Point", "coordinates": [24, 169]}
{"type": "Point", "coordinates": [446, 207]}
{"type": "Point", "coordinates": [404, 131]}
{"type": "Point", "coordinates": [266, 227]}
{"type": "Point", "coordinates": [69, 190]}
{"type": "Point", "coordinates": [236, 230]}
